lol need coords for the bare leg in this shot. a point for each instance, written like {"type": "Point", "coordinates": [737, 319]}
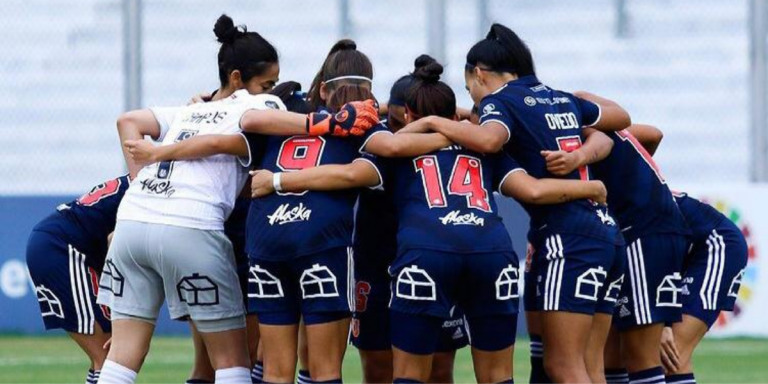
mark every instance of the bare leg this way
{"type": "Point", "coordinates": [252, 329]}
{"type": "Point", "coordinates": [565, 336]}
{"type": "Point", "coordinates": [377, 366]}
{"type": "Point", "coordinates": [226, 349]}
{"type": "Point", "coordinates": [202, 369]}
{"type": "Point", "coordinates": [688, 334]}
{"type": "Point", "coordinates": [492, 366]}
{"type": "Point", "coordinates": [93, 345]}
{"type": "Point", "coordinates": [279, 343]}
{"type": "Point", "coordinates": [598, 336]}
{"type": "Point", "coordinates": [130, 342]}
{"type": "Point", "coordinates": [327, 343]}
{"type": "Point", "coordinates": [641, 347]}
{"type": "Point", "coordinates": [442, 367]}
{"type": "Point", "coordinates": [411, 366]}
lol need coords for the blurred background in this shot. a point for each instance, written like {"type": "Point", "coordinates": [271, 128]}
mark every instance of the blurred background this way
{"type": "Point", "coordinates": [694, 68]}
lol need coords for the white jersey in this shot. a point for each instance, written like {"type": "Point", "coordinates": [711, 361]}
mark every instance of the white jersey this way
{"type": "Point", "coordinates": [200, 193]}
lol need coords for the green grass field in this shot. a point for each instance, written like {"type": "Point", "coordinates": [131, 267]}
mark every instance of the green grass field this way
{"type": "Point", "coordinates": [58, 360]}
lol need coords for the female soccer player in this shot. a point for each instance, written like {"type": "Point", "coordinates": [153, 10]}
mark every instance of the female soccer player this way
{"type": "Point", "coordinates": [711, 273]}
{"type": "Point", "coordinates": [574, 242]}
{"type": "Point", "coordinates": [452, 246]}
{"type": "Point", "coordinates": [375, 246]}
{"type": "Point", "coordinates": [65, 257]}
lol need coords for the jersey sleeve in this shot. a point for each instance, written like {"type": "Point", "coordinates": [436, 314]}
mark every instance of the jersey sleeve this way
{"type": "Point", "coordinates": [379, 129]}
{"type": "Point", "coordinates": [256, 144]}
{"type": "Point", "coordinates": [590, 112]}
{"type": "Point", "coordinates": [378, 164]}
{"type": "Point", "coordinates": [504, 166]}
{"type": "Point", "coordinates": [164, 117]}
{"type": "Point", "coordinates": [492, 110]}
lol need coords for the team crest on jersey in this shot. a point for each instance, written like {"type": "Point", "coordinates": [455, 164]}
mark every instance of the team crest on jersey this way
{"type": "Point", "coordinates": [530, 101]}
{"type": "Point", "coordinates": [271, 104]}
{"type": "Point", "coordinates": [284, 214]}
{"type": "Point", "coordinates": [185, 134]}
{"type": "Point", "coordinates": [456, 218]}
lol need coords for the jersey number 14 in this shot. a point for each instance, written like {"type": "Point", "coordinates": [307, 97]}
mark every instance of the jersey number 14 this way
{"type": "Point", "coordinates": [466, 180]}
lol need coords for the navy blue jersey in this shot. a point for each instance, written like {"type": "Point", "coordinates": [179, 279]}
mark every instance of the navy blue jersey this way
{"type": "Point", "coordinates": [375, 241]}
{"type": "Point", "coordinates": [234, 227]}
{"type": "Point", "coordinates": [444, 201]}
{"type": "Point", "coordinates": [539, 118]}
{"type": "Point", "coordinates": [283, 226]}
{"type": "Point", "coordinates": [87, 222]}
{"type": "Point", "coordinates": [701, 218]}
{"type": "Point", "coordinates": [637, 193]}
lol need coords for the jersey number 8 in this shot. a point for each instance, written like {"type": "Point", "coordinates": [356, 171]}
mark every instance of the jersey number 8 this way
{"type": "Point", "coordinates": [466, 180]}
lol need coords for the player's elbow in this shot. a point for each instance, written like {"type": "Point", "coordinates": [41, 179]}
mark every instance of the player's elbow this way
{"type": "Point", "coordinates": [253, 120]}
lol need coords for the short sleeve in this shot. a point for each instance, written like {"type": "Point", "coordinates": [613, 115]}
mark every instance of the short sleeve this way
{"type": "Point", "coordinates": [590, 112]}
{"type": "Point", "coordinates": [267, 101]}
{"type": "Point", "coordinates": [165, 117]}
{"type": "Point", "coordinates": [378, 164]}
{"type": "Point", "coordinates": [256, 144]}
{"type": "Point", "coordinates": [504, 166]}
{"type": "Point", "coordinates": [491, 110]}
{"type": "Point", "coordinates": [376, 130]}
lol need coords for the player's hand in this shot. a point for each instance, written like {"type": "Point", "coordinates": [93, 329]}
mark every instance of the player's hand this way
{"type": "Point", "coordinates": [261, 183]}
{"type": "Point", "coordinates": [422, 125]}
{"type": "Point", "coordinates": [601, 193]}
{"type": "Point", "coordinates": [669, 355]}
{"type": "Point", "coordinates": [529, 251]}
{"type": "Point", "coordinates": [561, 163]}
{"type": "Point", "coordinates": [200, 98]}
{"type": "Point", "coordinates": [141, 151]}
{"type": "Point", "coordinates": [353, 118]}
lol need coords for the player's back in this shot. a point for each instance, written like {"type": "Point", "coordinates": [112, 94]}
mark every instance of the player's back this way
{"type": "Point", "coordinates": [700, 217]}
{"type": "Point", "coordinates": [541, 118]}
{"type": "Point", "coordinates": [444, 202]}
{"type": "Point", "coordinates": [87, 222]}
{"type": "Point", "coordinates": [637, 193]}
{"type": "Point", "coordinates": [375, 238]}
{"type": "Point", "coordinates": [194, 193]}
{"type": "Point", "coordinates": [284, 226]}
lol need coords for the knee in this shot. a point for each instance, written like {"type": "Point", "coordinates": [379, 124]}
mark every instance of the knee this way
{"type": "Point", "coordinates": [441, 374]}
{"type": "Point", "coordinates": [560, 370]}
{"type": "Point", "coordinates": [378, 374]}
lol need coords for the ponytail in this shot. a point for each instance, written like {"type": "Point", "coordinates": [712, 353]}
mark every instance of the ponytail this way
{"type": "Point", "coordinates": [501, 51]}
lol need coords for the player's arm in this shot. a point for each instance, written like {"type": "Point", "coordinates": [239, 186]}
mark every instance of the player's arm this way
{"type": "Point", "coordinates": [596, 147]}
{"type": "Point", "coordinates": [649, 136]}
{"type": "Point", "coordinates": [134, 125]}
{"type": "Point", "coordinates": [331, 177]}
{"type": "Point", "coordinates": [612, 117]}
{"type": "Point", "coordinates": [197, 147]}
{"type": "Point", "coordinates": [352, 119]}
{"type": "Point", "coordinates": [488, 138]}
{"type": "Point", "coordinates": [522, 187]}
{"type": "Point", "coordinates": [406, 144]}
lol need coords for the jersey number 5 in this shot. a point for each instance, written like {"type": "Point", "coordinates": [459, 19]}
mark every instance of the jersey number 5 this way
{"type": "Point", "coordinates": [466, 180]}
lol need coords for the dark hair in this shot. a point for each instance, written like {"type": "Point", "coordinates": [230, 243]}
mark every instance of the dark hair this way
{"type": "Point", "coordinates": [428, 95]}
{"type": "Point", "coordinates": [399, 91]}
{"type": "Point", "coordinates": [241, 50]}
{"type": "Point", "coordinates": [292, 96]}
{"type": "Point", "coordinates": [346, 93]}
{"type": "Point", "coordinates": [501, 51]}
{"type": "Point", "coordinates": [343, 60]}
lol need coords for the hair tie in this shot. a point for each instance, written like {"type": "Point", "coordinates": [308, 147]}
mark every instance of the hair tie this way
{"type": "Point", "coordinates": [351, 77]}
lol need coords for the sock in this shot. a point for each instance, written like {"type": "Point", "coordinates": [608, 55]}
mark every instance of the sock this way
{"type": "Point", "coordinates": [114, 373]}
{"type": "Point", "coordinates": [257, 373]}
{"type": "Point", "coordinates": [332, 381]}
{"type": "Point", "coordinates": [304, 377]}
{"type": "Point", "coordinates": [510, 381]}
{"type": "Point", "coordinates": [197, 381]}
{"type": "Point", "coordinates": [95, 377]}
{"type": "Point", "coordinates": [617, 376]}
{"type": "Point", "coordinates": [538, 374]}
{"type": "Point", "coordinates": [234, 375]}
{"type": "Point", "coordinates": [648, 376]}
{"type": "Point", "coordinates": [684, 378]}
{"type": "Point", "coordinates": [89, 377]}
{"type": "Point", "coordinates": [398, 380]}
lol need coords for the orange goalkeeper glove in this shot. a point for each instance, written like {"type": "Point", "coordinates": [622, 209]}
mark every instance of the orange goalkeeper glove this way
{"type": "Point", "coordinates": [354, 118]}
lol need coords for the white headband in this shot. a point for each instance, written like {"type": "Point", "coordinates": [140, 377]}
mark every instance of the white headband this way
{"type": "Point", "coordinates": [349, 78]}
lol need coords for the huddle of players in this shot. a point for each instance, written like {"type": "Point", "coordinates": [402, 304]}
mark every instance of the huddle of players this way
{"type": "Point", "coordinates": [430, 267]}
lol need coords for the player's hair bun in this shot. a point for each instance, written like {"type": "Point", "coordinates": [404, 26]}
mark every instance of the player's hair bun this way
{"type": "Point", "coordinates": [343, 45]}
{"type": "Point", "coordinates": [225, 30]}
{"type": "Point", "coordinates": [429, 73]}
{"type": "Point", "coordinates": [422, 61]}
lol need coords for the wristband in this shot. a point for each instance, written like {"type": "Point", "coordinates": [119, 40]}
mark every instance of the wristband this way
{"type": "Point", "coordinates": [276, 181]}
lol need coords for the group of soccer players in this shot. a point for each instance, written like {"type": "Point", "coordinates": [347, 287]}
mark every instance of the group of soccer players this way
{"type": "Point", "coordinates": [385, 230]}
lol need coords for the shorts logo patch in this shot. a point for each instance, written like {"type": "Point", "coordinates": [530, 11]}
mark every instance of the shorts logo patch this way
{"type": "Point", "coordinates": [589, 283]}
{"type": "Point", "coordinates": [263, 285]}
{"type": "Point", "coordinates": [414, 283]}
{"type": "Point", "coordinates": [614, 289]}
{"type": "Point", "coordinates": [318, 281]}
{"type": "Point", "coordinates": [508, 283]}
{"type": "Point", "coordinates": [667, 292]}
{"type": "Point", "coordinates": [197, 290]}
{"type": "Point", "coordinates": [112, 279]}
{"type": "Point", "coordinates": [50, 305]}
{"type": "Point", "coordinates": [733, 291]}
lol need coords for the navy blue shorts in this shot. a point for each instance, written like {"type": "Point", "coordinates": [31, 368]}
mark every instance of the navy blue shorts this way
{"type": "Point", "coordinates": [316, 287]}
{"type": "Point", "coordinates": [652, 291]}
{"type": "Point", "coordinates": [574, 273]}
{"type": "Point", "coordinates": [243, 269]}
{"type": "Point", "coordinates": [65, 285]}
{"type": "Point", "coordinates": [371, 320]}
{"type": "Point", "coordinates": [712, 275]}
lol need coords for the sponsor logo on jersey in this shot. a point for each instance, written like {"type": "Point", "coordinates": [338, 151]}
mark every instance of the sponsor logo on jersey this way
{"type": "Point", "coordinates": [456, 218]}
{"type": "Point", "coordinates": [284, 214]}
{"type": "Point", "coordinates": [158, 187]}
{"type": "Point", "coordinates": [489, 110]}
{"type": "Point", "coordinates": [205, 118]}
